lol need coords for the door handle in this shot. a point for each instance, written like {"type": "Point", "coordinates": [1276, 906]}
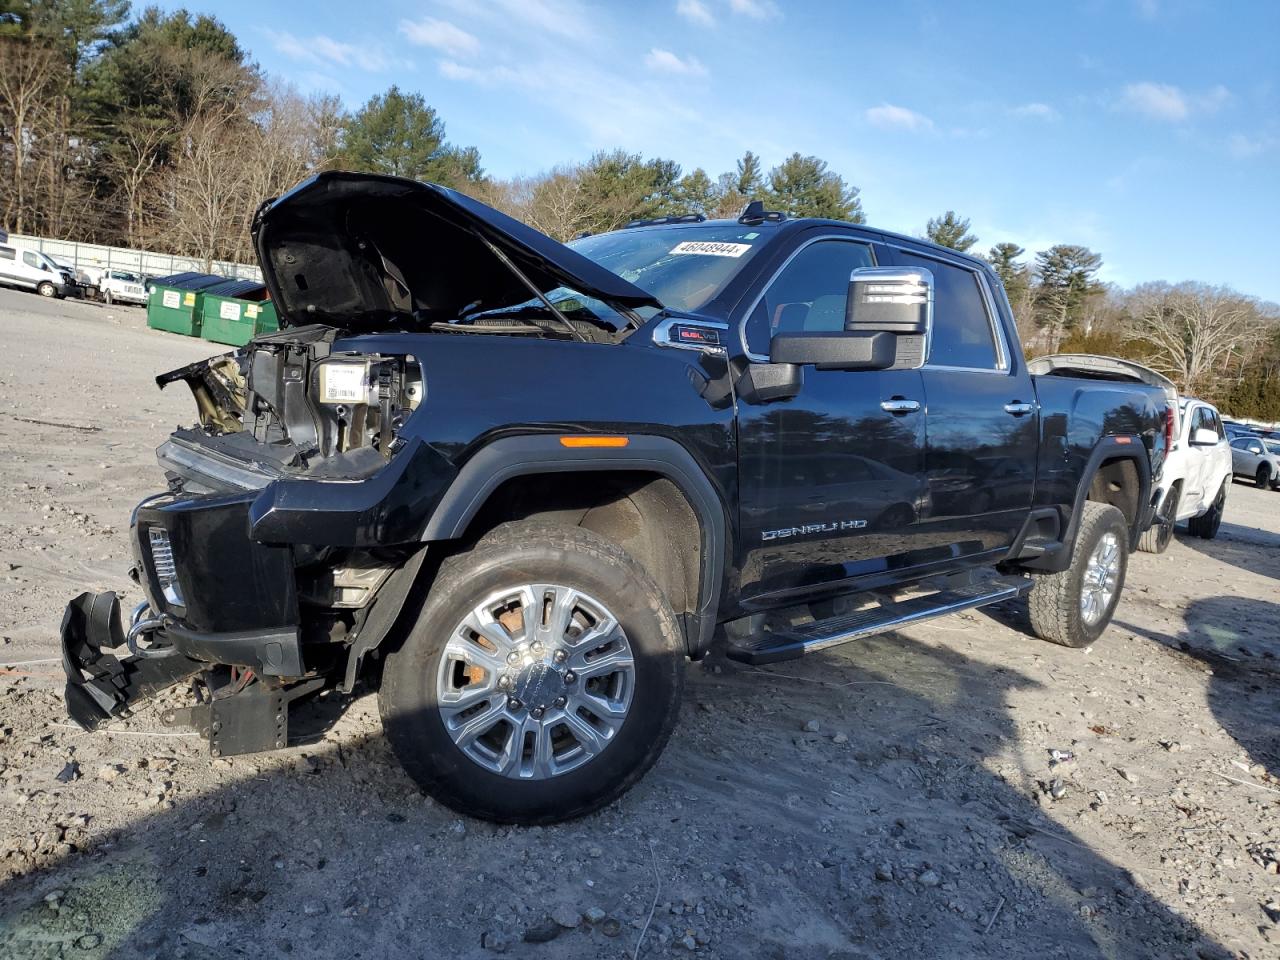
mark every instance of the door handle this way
{"type": "Point", "coordinates": [899, 405]}
{"type": "Point", "coordinates": [1019, 409]}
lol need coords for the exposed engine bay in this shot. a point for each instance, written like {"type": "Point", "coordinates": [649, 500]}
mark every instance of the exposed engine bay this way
{"type": "Point", "coordinates": [287, 405]}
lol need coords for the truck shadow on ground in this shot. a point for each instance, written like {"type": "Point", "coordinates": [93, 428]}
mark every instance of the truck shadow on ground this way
{"type": "Point", "coordinates": [902, 825]}
{"type": "Point", "coordinates": [1238, 638]}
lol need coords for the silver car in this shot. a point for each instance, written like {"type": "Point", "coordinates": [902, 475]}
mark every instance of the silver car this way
{"type": "Point", "coordinates": [1258, 458]}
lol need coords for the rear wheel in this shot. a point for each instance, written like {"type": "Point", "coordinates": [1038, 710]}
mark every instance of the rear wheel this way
{"type": "Point", "coordinates": [1073, 607]}
{"type": "Point", "coordinates": [106, 297]}
{"type": "Point", "coordinates": [47, 289]}
{"type": "Point", "coordinates": [1206, 525]}
{"type": "Point", "coordinates": [1156, 538]}
{"type": "Point", "coordinates": [541, 681]}
{"type": "Point", "coordinates": [1263, 477]}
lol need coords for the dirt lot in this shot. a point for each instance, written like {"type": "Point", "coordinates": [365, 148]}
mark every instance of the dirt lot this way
{"type": "Point", "coordinates": [883, 800]}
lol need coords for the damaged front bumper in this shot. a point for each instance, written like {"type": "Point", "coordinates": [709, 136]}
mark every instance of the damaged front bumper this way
{"type": "Point", "coordinates": [100, 685]}
{"type": "Point", "coordinates": [237, 712]}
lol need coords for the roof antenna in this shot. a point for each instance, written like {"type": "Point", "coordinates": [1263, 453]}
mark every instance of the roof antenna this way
{"type": "Point", "coordinates": [754, 212]}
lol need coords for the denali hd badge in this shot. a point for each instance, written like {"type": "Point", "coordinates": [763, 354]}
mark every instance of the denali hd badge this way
{"type": "Point", "coordinates": [812, 528]}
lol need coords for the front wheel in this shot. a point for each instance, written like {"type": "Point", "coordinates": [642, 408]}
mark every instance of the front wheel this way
{"type": "Point", "coordinates": [541, 681]}
{"type": "Point", "coordinates": [47, 289]}
{"type": "Point", "coordinates": [106, 297]}
{"type": "Point", "coordinates": [1073, 607]}
{"type": "Point", "coordinates": [1206, 525]}
{"type": "Point", "coordinates": [1263, 477]}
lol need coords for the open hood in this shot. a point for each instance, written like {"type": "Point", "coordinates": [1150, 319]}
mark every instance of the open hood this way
{"type": "Point", "coordinates": [367, 252]}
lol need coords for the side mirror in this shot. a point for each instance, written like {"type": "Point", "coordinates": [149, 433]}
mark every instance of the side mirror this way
{"type": "Point", "coordinates": [888, 314]}
{"type": "Point", "coordinates": [1204, 437]}
{"type": "Point", "coordinates": [890, 299]}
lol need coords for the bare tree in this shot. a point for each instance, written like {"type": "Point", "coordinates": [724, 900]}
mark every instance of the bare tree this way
{"type": "Point", "coordinates": [130, 160]}
{"type": "Point", "coordinates": [29, 73]}
{"type": "Point", "coordinates": [207, 188]}
{"type": "Point", "coordinates": [1194, 330]}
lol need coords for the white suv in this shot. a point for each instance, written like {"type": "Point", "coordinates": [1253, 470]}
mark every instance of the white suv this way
{"type": "Point", "coordinates": [1196, 477]}
{"type": "Point", "coordinates": [27, 267]}
{"type": "Point", "coordinates": [122, 286]}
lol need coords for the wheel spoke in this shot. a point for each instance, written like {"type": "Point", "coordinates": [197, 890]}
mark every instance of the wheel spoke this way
{"type": "Point", "coordinates": [586, 735]}
{"type": "Point", "coordinates": [481, 622]}
{"type": "Point", "coordinates": [603, 665]}
{"type": "Point", "coordinates": [603, 707]}
{"type": "Point", "coordinates": [465, 732]}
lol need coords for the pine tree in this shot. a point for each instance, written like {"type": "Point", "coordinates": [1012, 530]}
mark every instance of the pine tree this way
{"type": "Point", "coordinates": [397, 133]}
{"type": "Point", "coordinates": [950, 230]}
{"type": "Point", "coordinates": [1066, 280]}
{"type": "Point", "coordinates": [804, 187]}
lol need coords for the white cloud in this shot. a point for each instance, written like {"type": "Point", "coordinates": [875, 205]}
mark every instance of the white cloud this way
{"type": "Point", "coordinates": [1036, 111]}
{"type": "Point", "coordinates": [664, 61]}
{"type": "Point", "coordinates": [1164, 101]}
{"type": "Point", "coordinates": [755, 9]}
{"type": "Point", "coordinates": [890, 117]}
{"type": "Point", "coordinates": [695, 11]}
{"type": "Point", "coordinates": [1161, 101]}
{"type": "Point", "coordinates": [323, 50]}
{"type": "Point", "coordinates": [1243, 147]}
{"type": "Point", "coordinates": [440, 35]}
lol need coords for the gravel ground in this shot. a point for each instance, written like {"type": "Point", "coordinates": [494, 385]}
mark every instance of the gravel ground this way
{"type": "Point", "coordinates": [892, 798]}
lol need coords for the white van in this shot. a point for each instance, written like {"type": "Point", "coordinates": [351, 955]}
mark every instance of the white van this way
{"type": "Point", "coordinates": [27, 267]}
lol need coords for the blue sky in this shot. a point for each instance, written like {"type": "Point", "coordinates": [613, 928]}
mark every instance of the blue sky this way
{"type": "Point", "coordinates": [1148, 130]}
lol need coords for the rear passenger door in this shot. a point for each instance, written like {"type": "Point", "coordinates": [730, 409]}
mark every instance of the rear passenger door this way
{"type": "Point", "coordinates": [982, 422]}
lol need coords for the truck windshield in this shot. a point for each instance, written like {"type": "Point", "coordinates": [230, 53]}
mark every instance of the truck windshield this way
{"type": "Point", "coordinates": [682, 266]}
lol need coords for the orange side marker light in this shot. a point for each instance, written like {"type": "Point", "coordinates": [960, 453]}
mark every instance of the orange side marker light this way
{"type": "Point", "coordinates": [594, 441]}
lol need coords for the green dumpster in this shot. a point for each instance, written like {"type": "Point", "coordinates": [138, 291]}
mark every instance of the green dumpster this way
{"type": "Point", "coordinates": [174, 303]}
{"type": "Point", "coordinates": [235, 312]}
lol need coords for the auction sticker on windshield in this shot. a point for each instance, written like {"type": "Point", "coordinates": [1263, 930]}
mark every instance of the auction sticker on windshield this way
{"type": "Point", "coordinates": [712, 248]}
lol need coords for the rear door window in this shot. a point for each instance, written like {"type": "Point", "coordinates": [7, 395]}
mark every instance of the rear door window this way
{"type": "Point", "coordinates": [963, 333]}
{"type": "Point", "coordinates": [7, 253]}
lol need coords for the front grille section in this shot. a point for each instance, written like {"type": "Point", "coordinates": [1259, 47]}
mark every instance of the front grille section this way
{"type": "Point", "coordinates": [166, 570]}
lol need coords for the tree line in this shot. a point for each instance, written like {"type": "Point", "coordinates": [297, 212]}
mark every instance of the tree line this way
{"type": "Point", "coordinates": [157, 131]}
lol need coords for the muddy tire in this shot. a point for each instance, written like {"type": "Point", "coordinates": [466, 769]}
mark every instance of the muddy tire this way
{"type": "Point", "coordinates": [541, 680]}
{"type": "Point", "coordinates": [46, 289]}
{"type": "Point", "coordinates": [1072, 608]}
{"type": "Point", "coordinates": [1206, 525]}
{"type": "Point", "coordinates": [1157, 537]}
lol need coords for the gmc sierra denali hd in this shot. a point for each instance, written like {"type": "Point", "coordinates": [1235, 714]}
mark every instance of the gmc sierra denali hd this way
{"type": "Point", "coordinates": [516, 484]}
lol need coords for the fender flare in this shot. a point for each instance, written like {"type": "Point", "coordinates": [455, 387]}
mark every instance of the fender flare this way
{"type": "Point", "coordinates": [1123, 447]}
{"type": "Point", "coordinates": [517, 456]}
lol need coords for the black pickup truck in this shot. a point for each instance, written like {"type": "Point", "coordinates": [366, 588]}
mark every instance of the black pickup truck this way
{"type": "Point", "coordinates": [516, 485]}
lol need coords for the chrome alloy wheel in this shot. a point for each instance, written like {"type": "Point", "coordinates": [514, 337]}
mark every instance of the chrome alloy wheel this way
{"type": "Point", "coordinates": [535, 681]}
{"type": "Point", "coordinates": [1101, 578]}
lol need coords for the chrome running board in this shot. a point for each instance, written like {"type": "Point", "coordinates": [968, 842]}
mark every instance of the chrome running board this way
{"type": "Point", "coordinates": [774, 646]}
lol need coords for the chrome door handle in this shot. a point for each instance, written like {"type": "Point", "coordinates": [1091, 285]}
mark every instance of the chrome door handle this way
{"type": "Point", "coordinates": [1019, 409]}
{"type": "Point", "coordinates": [898, 405]}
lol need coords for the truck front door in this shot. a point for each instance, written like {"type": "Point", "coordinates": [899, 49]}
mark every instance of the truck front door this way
{"type": "Point", "coordinates": [830, 480]}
